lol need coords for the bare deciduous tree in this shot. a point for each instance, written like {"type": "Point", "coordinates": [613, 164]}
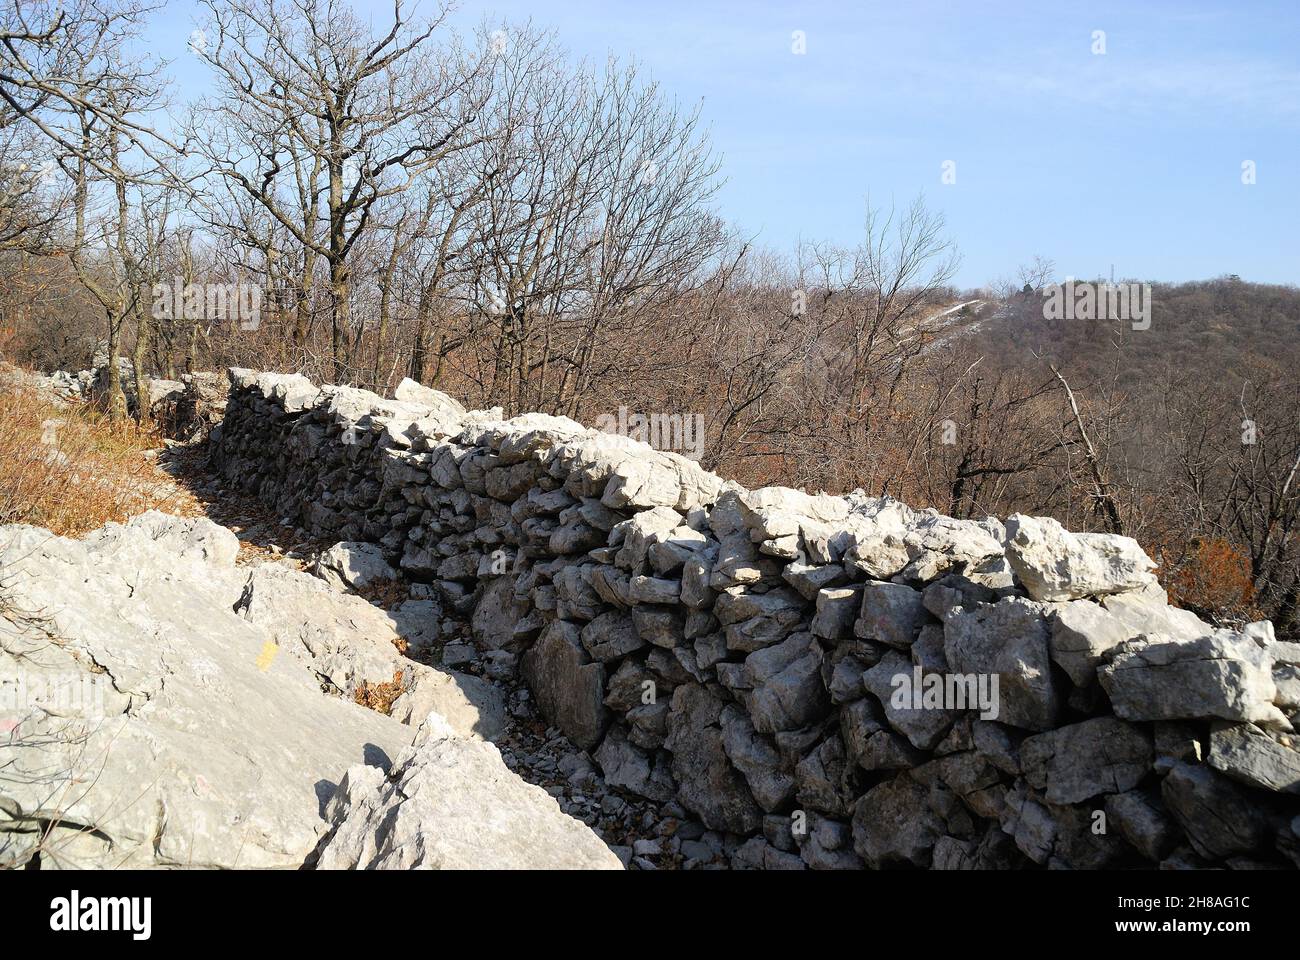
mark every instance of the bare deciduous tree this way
{"type": "Point", "coordinates": [318, 120]}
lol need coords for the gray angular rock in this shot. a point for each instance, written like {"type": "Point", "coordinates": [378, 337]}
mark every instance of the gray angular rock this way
{"type": "Point", "coordinates": [923, 726]}
{"type": "Point", "coordinates": [708, 785]}
{"type": "Point", "coordinates": [927, 652]}
{"type": "Point", "coordinates": [293, 392]}
{"type": "Point", "coordinates": [965, 773]}
{"type": "Point", "coordinates": [1009, 638]}
{"type": "Point", "coordinates": [1082, 760]}
{"type": "Point", "coordinates": [1078, 845]}
{"type": "Point", "coordinates": [495, 615]}
{"type": "Point", "coordinates": [756, 620]}
{"type": "Point", "coordinates": [654, 590]}
{"type": "Point", "coordinates": [670, 552]}
{"type": "Point", "coordinates": [829, 845]}
{"type": "Point", "coordinates": [696, 592]}
{"type": "Point", "coordinates": [611, 636]}
{"type": "Point", "coordinates": [775, 512]}
{"type": "Point", "coordinates": [1147, 611]}
{"type": "Point", "coordinates": [757, 760]}
{"type": "Point", "coordinates": [611, 584]}
{"type": "Point", "coordinates": [870, 743]}
{"type": "Point", "coordinates": [575, 599]}
{"type": "Point", "coordinates": [639, 533]}
{"type": "Point", "coordinates": [649, 724]}
{"type": "Point", "coordinates": [1059, 837]}
{"type": "Point", "coordinates": [757, 854]}
{"type": "Point", "coordinates": [408, 391]}
{"type": "Point", "coordinates": [1223, 675]}
{"type": "Point", "coordinates": [845, 680]}
{"type": "Point", "coordinates": [575, 537]}
{"type": "Point", "coordinates": [891, 613]}
{"type": "Point", "coordinates": [569, 687]}
{"type": "Point", "coordinates": [782, 685]}
{"type": "Point", "coordinates": [662, 626]}
{"type": "Point", "coordinates": [710, 650]}
{"type": "Point", "coordinates": [877, 554]}
{"type": "Point", "coordinates": [941, 600]}
{"type": "Point", "coordinates": [1082, 632]}
{"type": "Point", "coordinates": [997, 744]}
{"type": "Point", "coordinates": [671, 667]}
{"type": "Point", "coordinates": [659, 479]}
{"type": "Point", "coordinates": [1219, 818]}
{"type": "Point", "coordinates": [893, 824]}
{"type": "Point", "coordinates": [1029, 823]}
{"type": "Point", "coordinates": [630, 768]}
{"type": "Point", "coordinates": [825, 780]}
{"type": "Point", "coordinates": [1175, 741]}
{"type": "Point", "coordinates": [1286, 677]}
{"type": "Point", "coordinates": [811, 579]}
{"type": "Point", "coordinates": [631, 685]}
{"type": "Point", "coordinates": [738, 562]}
{"type": "Point", "coordinates": [1141, 820]}
{"type": "Point", "coordinates": [837, 609]}
{"type": "Point", "coordinates": [1249, 755]}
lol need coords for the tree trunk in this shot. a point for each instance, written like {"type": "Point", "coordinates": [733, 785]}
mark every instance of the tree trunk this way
{"type": "Point", "coordinates": [339, 319]}
{"type": "Point", "coordinates": [113, 390]}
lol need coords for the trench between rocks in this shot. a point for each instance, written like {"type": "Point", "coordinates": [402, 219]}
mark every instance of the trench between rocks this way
{"type": "Point", "coordinates": [537, 753]}
{"type": "Point", "coordinates": [541, 753]}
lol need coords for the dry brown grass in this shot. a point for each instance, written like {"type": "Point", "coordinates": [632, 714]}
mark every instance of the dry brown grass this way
{"type": "Point", "coordinates": [71, 469]}
{"type": "Point", "coordinates": [384, 593]}
{"type": "Point", "coordinates": [380, 696]}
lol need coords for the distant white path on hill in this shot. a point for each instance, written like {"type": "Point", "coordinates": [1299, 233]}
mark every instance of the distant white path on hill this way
{"type": "Point", "coordinates": [953, 309]}
{"type": "Point", "coordinates": [931, 327]}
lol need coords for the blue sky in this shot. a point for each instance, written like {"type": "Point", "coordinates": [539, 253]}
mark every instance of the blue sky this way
{"type": "Point", "coordinates": [1132, 157]}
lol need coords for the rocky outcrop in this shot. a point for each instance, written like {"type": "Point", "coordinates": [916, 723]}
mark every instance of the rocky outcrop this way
{"type": "Point", "coordinates": [449, 803]}
{"type": "Point", "coordinates": [354, 565]}
{"type": "Point", "coordinates": [834, 681]}
{"type": "Point", "coordinates": [162, 707]}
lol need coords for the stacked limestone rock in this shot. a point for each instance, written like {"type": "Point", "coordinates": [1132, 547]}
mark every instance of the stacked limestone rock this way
{"type": "Point", "coordinates": [92, 384]}
{"type": "Point", "coordinates": [739, 651]}
{"type": "Point", "coordinates": [190, 409]}
{"type": "Point", "coordinates": [186, 408]}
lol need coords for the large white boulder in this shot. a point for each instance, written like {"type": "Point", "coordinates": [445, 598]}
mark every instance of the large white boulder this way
{"type": "Point", "coordinates": [353, 564]}
{"type": "Point", "coordinates": [452, 804]}
{"type": "Point", "coordinates": [151, 724]}
{"type": "Point", "coordinates": [161, 707]}
{"type": "Point", "coordinates": [1055, 564]}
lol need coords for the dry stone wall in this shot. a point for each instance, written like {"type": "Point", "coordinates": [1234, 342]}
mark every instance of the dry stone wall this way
{"type": "Point", "coordinates": [843, 681]}
{"type": "Point", "coordinates": [185, 409]}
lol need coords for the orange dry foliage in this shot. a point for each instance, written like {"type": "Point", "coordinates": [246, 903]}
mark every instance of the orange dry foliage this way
{"type": "Point", "coordinates": [71, 469]}
{"type": "Point", "coordinates": [380, 696]}
{"type": "Point", "coordinates": [384, 593]}
{"type": "Point", "coordinates": [1213, 576]}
